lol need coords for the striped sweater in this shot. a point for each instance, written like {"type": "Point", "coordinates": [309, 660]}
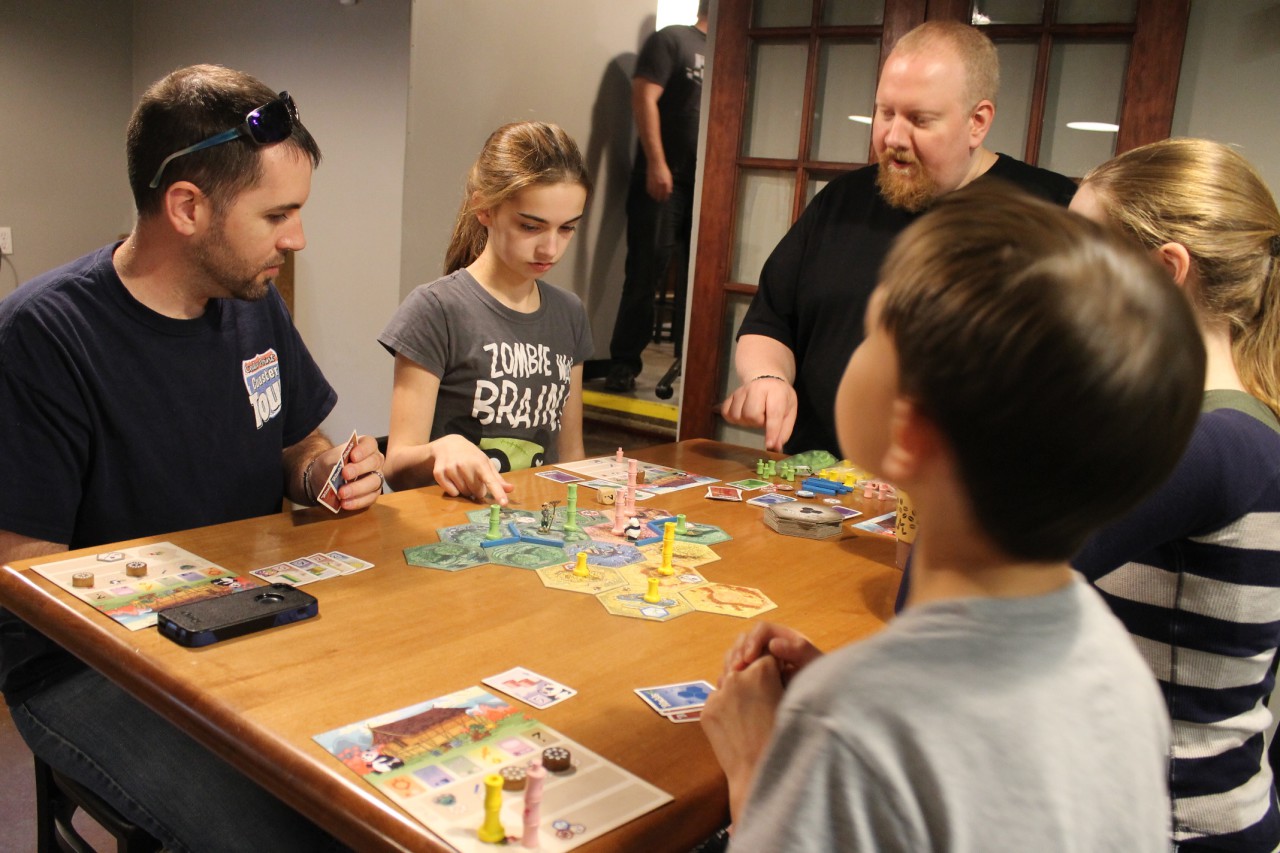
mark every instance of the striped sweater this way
{"type": "Point", "coordinates": [1194, 574]}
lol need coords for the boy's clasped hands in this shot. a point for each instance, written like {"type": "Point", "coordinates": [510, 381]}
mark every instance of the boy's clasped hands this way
{"type": "Point", "coordinates": [738, 718]}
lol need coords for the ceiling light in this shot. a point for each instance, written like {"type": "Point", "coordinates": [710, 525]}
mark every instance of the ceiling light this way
{"type": "Point", "coordinates": [1097, 126]}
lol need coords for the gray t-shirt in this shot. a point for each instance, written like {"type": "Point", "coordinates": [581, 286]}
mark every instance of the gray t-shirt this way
{"type": "Point", "coordinates": [968, 726]}
{"type": "Point", "coordinates": [504, 375]}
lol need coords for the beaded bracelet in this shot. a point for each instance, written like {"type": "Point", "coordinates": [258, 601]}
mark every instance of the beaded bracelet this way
{"type": "Point", "coordinates": [769, 376]}
{"type": "Point", "coordinates": [306, 481]}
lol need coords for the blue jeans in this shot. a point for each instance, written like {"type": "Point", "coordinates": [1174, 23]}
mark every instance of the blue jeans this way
{"type": "Point", "coordinates": [87, 728]}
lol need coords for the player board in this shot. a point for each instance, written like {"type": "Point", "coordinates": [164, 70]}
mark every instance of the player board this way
{"type": "Point", "coordinates": [131, 584]}
{"type": "Point", "coordinates": [658, 479]}
{"type": "Point", "coordinates": [431, 759]}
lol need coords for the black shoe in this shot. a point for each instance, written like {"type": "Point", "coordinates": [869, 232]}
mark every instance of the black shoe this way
{"type": "Point", "coordinates": [620, 378]}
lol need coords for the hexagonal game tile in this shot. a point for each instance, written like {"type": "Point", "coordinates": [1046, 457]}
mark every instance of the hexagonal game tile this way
{"type": "Point", "coordinates": [526, 555]}
{"type": "Point", "coordinates": [505, 515]}
{"type": "Point", "coordinates": [603, 532]}
{"type": "Point", "coordinates": [684, 555]}
{"type": "Point", "coordinates": [729, 599]}
{"type": "Point", "coordinates": [702, 534]}
{"type": "Point", "coordinates": [612, 554]}
{"type": "Point", "coordinates": [470, 535]}
{"type": "Point", "coordinates": [637, 577]}
{"type": "Point", "coordinates": [601, 579]}
{"type": "Point", "coordinates": [448, 556]}
{"type": "Point", "coordinates": [630, 603]}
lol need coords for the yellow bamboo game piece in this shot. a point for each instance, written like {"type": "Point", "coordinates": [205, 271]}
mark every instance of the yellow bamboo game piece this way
{"type": "Point", "coordinates": [491, 830]}
{"type": "Point", "coordinates": [653, 596]}
{"type": "Point", "coordinates": [668, 545]}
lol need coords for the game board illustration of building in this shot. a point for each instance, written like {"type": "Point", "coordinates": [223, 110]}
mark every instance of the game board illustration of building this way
{"type": "Point", "coordinates": [431, 759]}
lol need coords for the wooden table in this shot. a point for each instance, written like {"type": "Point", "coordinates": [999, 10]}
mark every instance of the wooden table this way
{"type": "Point", "coordinates": [397, 635]}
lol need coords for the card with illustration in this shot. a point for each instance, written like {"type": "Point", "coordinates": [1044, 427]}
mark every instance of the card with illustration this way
{"type": "Point", "coordinates": [668, 699]}
{"type": "Point", "coordinates": [559, 477]}
{"type": "Point", "coordinates": [750, 485]}
{"type": "Point", "coordinates": [351, 564]}
{"type": "Point", "coordinates": [724, 493]}
{"type": "Point", "coordinates": [641, 494]}
{"type": "Point", "coordinates": [529, 687]}
{"type": "Point", "coordinates": [685, 716]}
{"type": "Point", "coordinates": [328, 496]}
{"type": "Point", "coordinates": [881, 525]}
{"type": "Point", "coordinates": [657, 479]}
{"type": "Point", "coordinates": [770, 499]}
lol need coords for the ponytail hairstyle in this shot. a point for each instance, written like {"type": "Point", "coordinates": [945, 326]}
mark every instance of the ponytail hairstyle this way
{"type": "Point", "coordinates": [1208, 198]}
{"type": "Point", "coordinates": [515, 157]}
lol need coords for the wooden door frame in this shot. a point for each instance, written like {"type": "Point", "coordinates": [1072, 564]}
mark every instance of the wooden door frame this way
{"type": "Point", "coordinates": [1146, 115]}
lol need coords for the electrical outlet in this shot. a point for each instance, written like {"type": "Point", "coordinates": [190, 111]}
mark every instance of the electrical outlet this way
{"type": "Point", "coordinates": [6, 240]}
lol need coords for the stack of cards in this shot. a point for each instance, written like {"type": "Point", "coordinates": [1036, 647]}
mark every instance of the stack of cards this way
{"type": "Point", "coordinates": [681, 702]}
{"type": "Point", "coordinates": [804, 520]}
{"type": "Point", "coordinates": [317, 567]}
{"type": "Point", "coordinates": [527, 686]}
{"type": "Point", "coordinates": [328, 496]}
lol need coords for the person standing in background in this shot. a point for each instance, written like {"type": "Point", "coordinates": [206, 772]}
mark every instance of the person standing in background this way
{"type": "Point", "coordinates": [666, 96]}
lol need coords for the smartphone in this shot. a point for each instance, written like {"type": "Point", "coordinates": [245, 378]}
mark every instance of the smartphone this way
{"type": "Point", "coordinates": [236, 614]}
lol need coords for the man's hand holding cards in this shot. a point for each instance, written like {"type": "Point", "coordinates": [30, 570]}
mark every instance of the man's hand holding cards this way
{"type": "Point", "coordinates": [361, 453]}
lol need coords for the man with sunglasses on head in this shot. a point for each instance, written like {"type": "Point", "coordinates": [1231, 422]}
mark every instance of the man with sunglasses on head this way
{"type": "Point", "coordinates": [155, 385]}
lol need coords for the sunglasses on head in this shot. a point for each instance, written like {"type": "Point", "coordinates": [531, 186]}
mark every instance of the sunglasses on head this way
{"type": "Point", "coordinates": [271, 122]}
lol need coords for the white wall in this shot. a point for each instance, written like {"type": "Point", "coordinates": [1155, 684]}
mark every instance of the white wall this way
{"type": "Point", "coordinates": [562, 61]}
{"type": "Point", "coordinates": [71, 70]}
{"type": "Point", "coordinates": [348, 69]}
{"type": "Point", "coordinates": [1229, 88]}
{"type": "Point", "coordinates": [64, 101]}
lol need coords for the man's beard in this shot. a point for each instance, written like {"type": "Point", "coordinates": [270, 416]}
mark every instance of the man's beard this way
{"type": "Point", "coordinates": [230, 273]}
{"type": "Point", "coordinates": [913, 190]}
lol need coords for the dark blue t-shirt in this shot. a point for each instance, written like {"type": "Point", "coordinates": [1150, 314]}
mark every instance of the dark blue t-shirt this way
{"type": "Point", "coordinates": [120, 422]}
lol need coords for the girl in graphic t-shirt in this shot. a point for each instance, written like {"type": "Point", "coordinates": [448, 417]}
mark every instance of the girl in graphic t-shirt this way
{"type": "Point", "coordinates": [488, 359]}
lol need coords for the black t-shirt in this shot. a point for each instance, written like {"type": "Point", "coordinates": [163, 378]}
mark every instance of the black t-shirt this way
{"type": "Point", "coordinates": [125, 423]}
{"type": "Point", "coordinates": [673, 57]}
{"type": "Point", "coordinates": [816, 283]}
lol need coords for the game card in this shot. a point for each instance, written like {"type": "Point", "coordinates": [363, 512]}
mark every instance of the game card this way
{"type": "Point", "coordinates": [845, 511]}
{"type": "Point", "coordinates": [685, 716]}
{"type": "Point", "coordinates": [284, 573]}
{"type": "Point", "coordinates": [528, 686]}
{"type": "Point", "coordinates": [881, 525]}
{"type": "Point", "coordinates": [559, 477]}
{"type": "Point", "coordinates": [770, 499]}
{"type": "Point", "coordinates": [724, 493]}
{"type": "Point", "coordinates": [328, 497]}
{"type": "Point", "coordinates": [749, 485]}
{"type": "Point", "coordinates": [641, 494]}
{"type": "Point", "coordinates": [351, 564]}
{"type": "Point", "coordinates": [683, 696]}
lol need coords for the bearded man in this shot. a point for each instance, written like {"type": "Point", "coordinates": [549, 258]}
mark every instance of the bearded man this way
{"type": "Point", "coordinates": [935, 103]}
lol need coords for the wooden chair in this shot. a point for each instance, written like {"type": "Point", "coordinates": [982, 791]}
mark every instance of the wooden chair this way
{"type": "Point", "coordinates": [57, 800]}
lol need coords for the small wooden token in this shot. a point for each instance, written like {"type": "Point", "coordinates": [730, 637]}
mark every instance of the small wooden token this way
{"type": "Point", "coordinates": [136, 569]}
{"type": "Point", "coordinates": [513, 778]}
{"type": "Point", "coordinates": [555, 759]}
{"type": "Point", "coordinates": [82, 579]}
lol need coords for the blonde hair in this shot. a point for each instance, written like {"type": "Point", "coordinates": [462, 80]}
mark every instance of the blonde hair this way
{"type": "Point", "coordinates": [514, 157]}
{"type": "Point", "coordinates": [976, 52]}
{"type": "Point", "coordinates": [1208, 198]}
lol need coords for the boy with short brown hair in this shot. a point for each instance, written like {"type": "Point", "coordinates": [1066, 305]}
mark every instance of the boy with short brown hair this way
{"type": "Point", "coordinates": [1026, 378]}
